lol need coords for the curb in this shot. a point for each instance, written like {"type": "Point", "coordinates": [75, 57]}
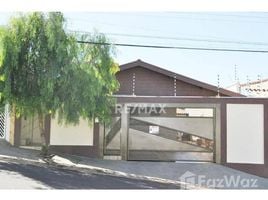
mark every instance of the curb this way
{"type": "Point", "coordinates": [22, 160]}
{"type": "Point", "coordinates": [86, 168]}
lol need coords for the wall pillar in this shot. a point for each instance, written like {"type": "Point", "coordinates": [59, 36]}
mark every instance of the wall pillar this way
{"type": "Point", "coordinates": [101, 140]}
{"type": "Point", "coordinates": [17, 131]}
{"type": "Point", "coordinates": [217, 124]}
{"type": "Point", "coordinates": [124, 132]}
{"type": "Point", "coordinates": [223, 133]}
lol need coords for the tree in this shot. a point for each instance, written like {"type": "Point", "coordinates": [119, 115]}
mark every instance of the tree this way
{"type": "Point", "coordinates": [44, 71]}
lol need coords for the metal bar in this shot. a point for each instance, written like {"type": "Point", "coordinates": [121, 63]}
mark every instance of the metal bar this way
{"type": "Point", "coordinates": [217, 138]}
{"type": "Point", "coordinates": [124, 132]}
{"type": "Point", "coordinates": [114, 130]}
{"type": "Point", "coordinates": [173, 137]}
{"type": "Point", "coordinates": [112, 152]}
{"type": "Point", "coordinates": [2, 123]}
{"type": "Point", "coordinates": [214, 134]}
{"type": "Point", "coordinates": [170, 156]}
{"type": "Point", "coordinates": [101, 139]}
{"type": "Point", "coordinates": [141, 121]}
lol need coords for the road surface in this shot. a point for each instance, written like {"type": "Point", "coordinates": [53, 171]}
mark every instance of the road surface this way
{"type": "Point", "coordinates": [17, 175]}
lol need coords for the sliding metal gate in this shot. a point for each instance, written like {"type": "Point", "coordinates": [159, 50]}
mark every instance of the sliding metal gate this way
{"type": "Point", "coordinates": [175, 133]}
{"type": "Point", "coordinates": [161, 133]}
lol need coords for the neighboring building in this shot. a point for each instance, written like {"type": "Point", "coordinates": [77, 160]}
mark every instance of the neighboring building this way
{"type": "Point", "coordinates": [257, 88]}
{"type": "Point", "coordinates": [164, 116]}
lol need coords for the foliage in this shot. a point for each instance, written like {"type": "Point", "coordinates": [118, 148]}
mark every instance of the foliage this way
{"type": "Point", "coordinates": [45, 71]}
{"type": "Point", "coordinates": [95, 71]}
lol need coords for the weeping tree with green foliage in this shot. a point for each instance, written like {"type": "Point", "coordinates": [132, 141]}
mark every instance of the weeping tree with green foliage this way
{"type": "Point", "coordinates": [44, 71]}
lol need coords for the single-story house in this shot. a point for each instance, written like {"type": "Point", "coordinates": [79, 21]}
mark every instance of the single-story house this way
{"type": "Point", "coordinates": [164, 116]}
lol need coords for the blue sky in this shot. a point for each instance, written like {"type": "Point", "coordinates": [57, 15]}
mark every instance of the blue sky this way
{"type": "Point", "coordinates": [237, 28]}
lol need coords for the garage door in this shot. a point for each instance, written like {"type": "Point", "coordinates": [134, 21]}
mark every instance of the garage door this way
{"type": "Point", "coordinates": [164, 134]}
{"type": "Point", "coordinates": [176, 133]}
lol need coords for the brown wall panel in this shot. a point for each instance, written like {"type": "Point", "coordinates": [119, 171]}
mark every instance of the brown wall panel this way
{"type": "Point", "coordinates": [150, 83]}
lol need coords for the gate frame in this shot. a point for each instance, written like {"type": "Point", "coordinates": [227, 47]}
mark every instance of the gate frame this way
{"type": "Point", "coordinates": [257, 169]}
{"type": "Point", "coordinates": [125, 118]}
{"type": "Point", "coordinates": [6, 123]}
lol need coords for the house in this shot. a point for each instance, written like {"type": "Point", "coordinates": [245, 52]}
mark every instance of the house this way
{"type": "Point", "coordinates": [164, 116]}
{"type": "Point", "coordinates": [143, 79]}
{"type": "Point", "coordinates": [136, 78]}
{"type": "Point", "coordinates": [257, 88]}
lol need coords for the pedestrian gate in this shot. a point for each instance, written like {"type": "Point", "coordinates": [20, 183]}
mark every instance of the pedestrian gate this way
{"type": "Point", "coordinates": [4, 117]}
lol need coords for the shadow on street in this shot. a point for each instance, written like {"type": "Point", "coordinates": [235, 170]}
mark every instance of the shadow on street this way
{"type": "Point", "coordinates": [62, 178]}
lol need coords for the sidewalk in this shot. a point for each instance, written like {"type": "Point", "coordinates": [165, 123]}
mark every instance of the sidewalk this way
{"type": "Point", "coordinates": [166, 172]}
{"type": "Point", "coordinates": [24, 169]}
{"type": "Point", "coordinates": [171, 171]}
{"type": "Point", "coordinates": [8, 151]}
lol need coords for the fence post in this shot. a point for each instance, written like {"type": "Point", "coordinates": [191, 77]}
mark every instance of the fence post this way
{"type": "Point", "coordinates": [124, 132]}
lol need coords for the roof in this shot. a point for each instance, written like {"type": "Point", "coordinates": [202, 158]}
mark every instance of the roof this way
{"type": "Point", "coordinates": [254, 82]}
{"type": "Point", "coordinates": [140, 63]}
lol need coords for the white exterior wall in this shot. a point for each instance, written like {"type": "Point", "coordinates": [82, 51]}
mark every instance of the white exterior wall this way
{"type": "Point", "coordinates": [235, 87]}
{"type": "Point", "coordinates": [251, 89]}
{"type": "Point", "coordinates": [79, 135]}
{"type": "Point", "coordinates": [245, 133]}
{"type": "Point", "coordinates": [256, 90]}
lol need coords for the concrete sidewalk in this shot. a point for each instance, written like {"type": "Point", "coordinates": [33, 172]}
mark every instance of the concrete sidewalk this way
{"type": "Point", "coordinates": [209, 175]}
{"type": "Point", "coordinates": [6, 150]}
{"type": "Point", "coordinates": [179, 172]}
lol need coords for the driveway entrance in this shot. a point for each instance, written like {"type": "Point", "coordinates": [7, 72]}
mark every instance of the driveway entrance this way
{"type": "Point", "coordinates": [160, 132]}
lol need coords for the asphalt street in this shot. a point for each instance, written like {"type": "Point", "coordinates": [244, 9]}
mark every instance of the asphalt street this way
{"type": "Point", "coordinates": [16, 175]}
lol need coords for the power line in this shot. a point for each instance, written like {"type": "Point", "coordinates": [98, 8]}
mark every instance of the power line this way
{"type": "Point", "coordinates": [163, 16]}
{"type": "Point", "coordinates": [174, 47]}
{"type": "Point", "coordinates": [232, 14]}
{"type": "Point", "coordinates": [153, 29]}
{"type": "Point", "coordinates": [237, 15]}
{"type": "Point", "coordinates": [199, 16]}
{"type": "Point", "coordinates": [188, 34]}
{"type": "Point", "coordinates": [87, 21]}
{"type": "Point", "coordinates": [181, 38]}
{"type": "Point", "coordinates": [194, 16]}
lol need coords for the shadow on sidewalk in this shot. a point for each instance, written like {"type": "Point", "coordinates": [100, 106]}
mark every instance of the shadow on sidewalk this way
{"type": "Point", "coordinates": [7, 150]}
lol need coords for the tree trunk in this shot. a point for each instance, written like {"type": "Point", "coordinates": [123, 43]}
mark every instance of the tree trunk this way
{"type": "Point", "coordinates": [45, 148]}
